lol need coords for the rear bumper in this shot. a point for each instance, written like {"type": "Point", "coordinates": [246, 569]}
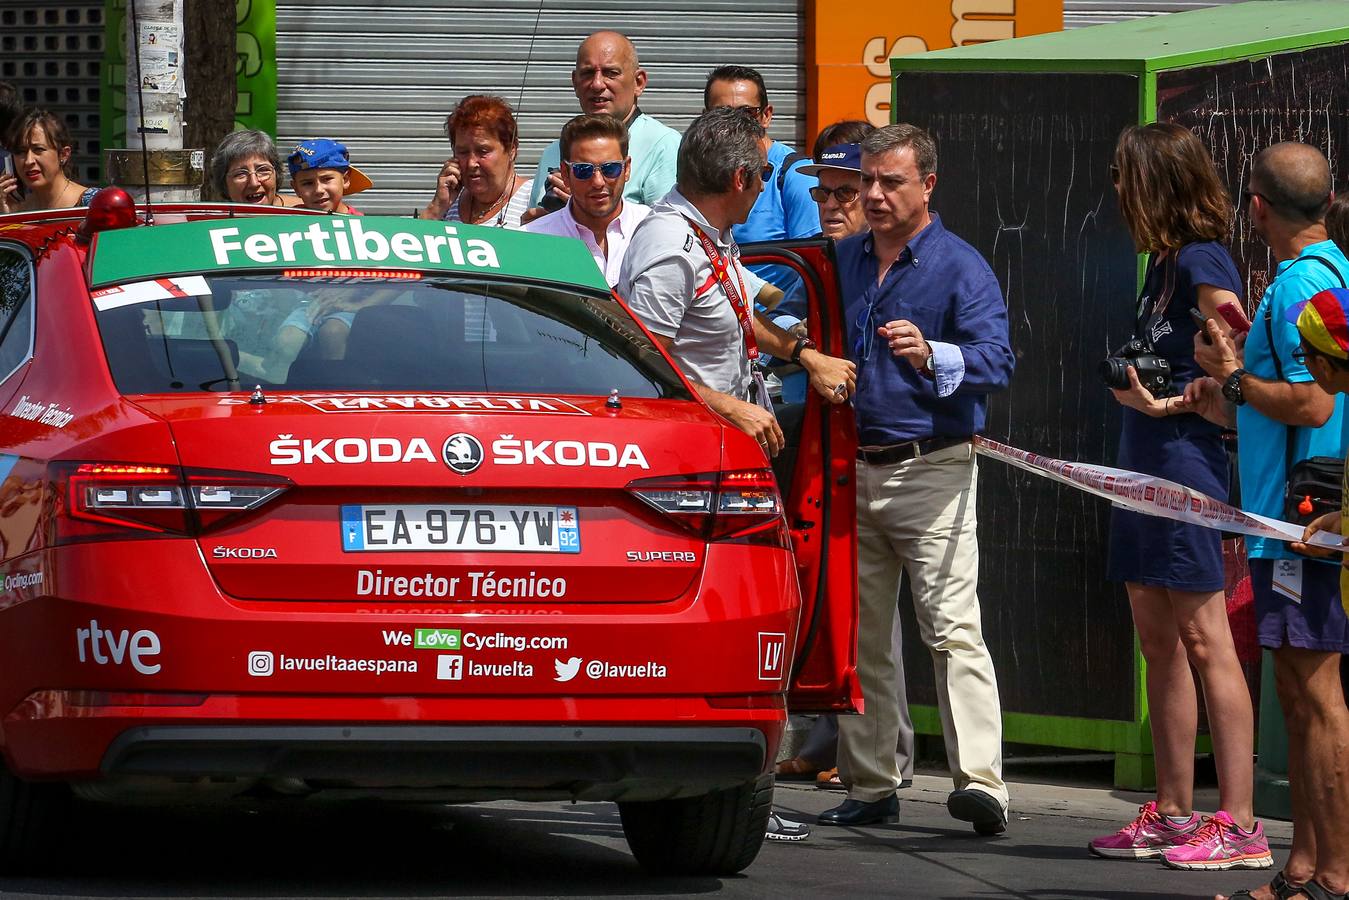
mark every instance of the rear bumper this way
{"type": "Point", "coordinates": [482, 762]}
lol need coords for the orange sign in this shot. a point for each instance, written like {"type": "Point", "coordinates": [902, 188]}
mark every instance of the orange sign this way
{"type": "Point", "coordinates": [849, 45]}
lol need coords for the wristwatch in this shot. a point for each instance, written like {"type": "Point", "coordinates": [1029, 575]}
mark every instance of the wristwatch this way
{"type": "Point", "coordinates": [1232, 387]}
{"type": "Point", "coordinates": [803, 343]}
{"type": "Point", "coordinates": [930, 364]}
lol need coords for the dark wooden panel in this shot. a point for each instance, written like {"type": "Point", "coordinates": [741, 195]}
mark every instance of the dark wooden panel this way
{"type": "Point", "coordinates": [1240, 108]}
{"type": "Point", "coordinates": [1023, 176]}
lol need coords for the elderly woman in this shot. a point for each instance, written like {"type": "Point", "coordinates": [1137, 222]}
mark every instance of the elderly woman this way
{"type": "Point", "coordinates": [246, 168]}
{"type": "Point", "coordinates": [479, 185]}
{"type": "Point", "coordinates": [42, 168]}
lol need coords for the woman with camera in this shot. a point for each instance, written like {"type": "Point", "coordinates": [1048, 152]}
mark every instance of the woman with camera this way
{"type": "Point", "coordinates": [1178, 211]}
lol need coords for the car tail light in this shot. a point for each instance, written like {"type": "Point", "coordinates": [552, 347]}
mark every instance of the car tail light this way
{"type": "Point", "coordinates": [102, 500]}
{"type": "Point", "coordinates": [719, 506]}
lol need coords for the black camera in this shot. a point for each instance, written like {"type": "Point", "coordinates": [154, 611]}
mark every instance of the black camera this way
{"type": "Point", "coordinates": [1154, 372]}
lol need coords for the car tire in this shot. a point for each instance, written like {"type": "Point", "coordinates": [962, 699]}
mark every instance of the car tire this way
{"type": "Point", "coordinates": [718, 833]}
{"type": "Point", "coordinates": [30, 816]}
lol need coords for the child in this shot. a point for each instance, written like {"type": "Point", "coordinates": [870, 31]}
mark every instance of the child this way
{"type": "Point", "coordinates": [322, 174]}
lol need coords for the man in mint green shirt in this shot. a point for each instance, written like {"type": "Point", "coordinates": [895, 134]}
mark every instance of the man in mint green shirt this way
{"type": "Point", "coordinates": [608, 79]}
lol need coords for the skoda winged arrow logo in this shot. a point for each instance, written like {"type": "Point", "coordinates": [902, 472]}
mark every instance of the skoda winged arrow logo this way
{"type": "Point", "coordinates": [462, 453]}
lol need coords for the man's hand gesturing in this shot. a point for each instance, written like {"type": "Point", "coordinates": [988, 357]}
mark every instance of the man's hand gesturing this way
{"type": "Point", "coordinates": [906, 342]}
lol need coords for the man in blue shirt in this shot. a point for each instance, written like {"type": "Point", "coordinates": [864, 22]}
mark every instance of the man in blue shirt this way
{"type": "Point", "coordinates": [928, 328]}
{"type": "Point", "coordinates": [1282, 417]}
{"type": "Point", "coordinates": [785, 208]}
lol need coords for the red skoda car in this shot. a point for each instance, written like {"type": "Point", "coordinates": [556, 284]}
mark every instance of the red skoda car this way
{"type": "Point", "coordinates": [300, 503]}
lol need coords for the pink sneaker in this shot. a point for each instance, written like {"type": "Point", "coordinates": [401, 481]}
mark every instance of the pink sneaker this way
{"type": "Point", "coordinates": [1220, 844]}
{"type": "Point", "coordinates": [1145, 837]}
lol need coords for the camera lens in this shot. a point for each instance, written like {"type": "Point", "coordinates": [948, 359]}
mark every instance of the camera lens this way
{"type": "Point", "coordinates": [1114, 372]}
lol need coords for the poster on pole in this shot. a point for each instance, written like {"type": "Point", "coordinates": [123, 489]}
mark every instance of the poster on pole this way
{"type": "Point", "coordinates": [255, 69]}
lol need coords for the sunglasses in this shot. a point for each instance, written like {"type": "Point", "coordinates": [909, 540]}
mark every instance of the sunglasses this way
{"type": "Point", "coordinates": [845, 194]}
{"type": "Point", "coordinates": [752, 111]}
{"type": "Point", "coordinates": [586, 171]}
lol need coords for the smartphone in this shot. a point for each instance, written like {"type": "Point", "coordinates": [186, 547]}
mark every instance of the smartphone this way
{"type": "Point", "coordinates": [1201, 322]}
{"type": "Point", "coordinates": [1234, 316]}
{"type": "Point", "coordinates": [551, 201]}
{"type": "Point", "coordinates": [7, 166]}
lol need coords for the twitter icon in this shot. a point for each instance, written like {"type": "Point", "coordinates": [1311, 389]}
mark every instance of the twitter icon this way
{"type": "Point", "coordinates": [566, 671]}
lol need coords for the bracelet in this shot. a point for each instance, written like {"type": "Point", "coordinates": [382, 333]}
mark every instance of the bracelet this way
{"type": "Point", "coordinates": [1166, 406]}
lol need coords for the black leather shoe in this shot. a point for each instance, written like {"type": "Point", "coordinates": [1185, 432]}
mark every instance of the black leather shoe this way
{"type": "Point", "coordinates": [857, 812]}
{"type": "Point", "coordinates": [978, 808]}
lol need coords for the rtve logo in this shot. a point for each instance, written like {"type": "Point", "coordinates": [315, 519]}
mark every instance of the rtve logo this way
{"type": "Point", "coordinates": [772, 654]}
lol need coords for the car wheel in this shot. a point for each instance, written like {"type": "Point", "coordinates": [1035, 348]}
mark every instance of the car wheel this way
{"type": "Point", "coordinates": [30, 815]}
{"type": "Point", "coordinates": [713, 834]}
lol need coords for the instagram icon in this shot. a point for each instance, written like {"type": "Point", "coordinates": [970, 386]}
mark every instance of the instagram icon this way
{"type": "Point", "coordinates": [261, 663]}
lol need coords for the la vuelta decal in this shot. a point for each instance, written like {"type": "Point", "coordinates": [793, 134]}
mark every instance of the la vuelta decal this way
{"type": "Point", "coordinates": [1151, 496]}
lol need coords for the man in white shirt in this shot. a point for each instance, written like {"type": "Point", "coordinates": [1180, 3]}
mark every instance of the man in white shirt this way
{"type": "Point", "coordinates": [595, 167]}
{"type": "Point", "coordinates": [671, 282]}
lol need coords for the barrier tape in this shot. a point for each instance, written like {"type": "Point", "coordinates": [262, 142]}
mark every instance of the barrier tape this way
{"type": "Point", "coordinates": [1151, 496]}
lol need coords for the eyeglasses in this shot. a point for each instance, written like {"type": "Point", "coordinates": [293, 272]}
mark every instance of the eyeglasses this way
{"type": "Point", "coordinates": [766, 173]}
{"type": "Point", "coordinates": [752, 111]}
{"type": "Point", "coordinates": [1247, 194]}
{"type": "Point", "coordinates": [866, 332]}
{"type": "Point", "coordinates": [586, 171]}
{"type": "Point", "coordinates": [261, 173]}
{"type": "Point", "coordinates": [844, 194]}
{"type": "Point", "coordinates": [1114, 173]}
{"type": "Point", "coordinates": [1300, 353]}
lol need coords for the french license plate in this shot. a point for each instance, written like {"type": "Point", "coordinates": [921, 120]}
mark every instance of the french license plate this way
{"type": "Point", "coordinates": [528, 529]}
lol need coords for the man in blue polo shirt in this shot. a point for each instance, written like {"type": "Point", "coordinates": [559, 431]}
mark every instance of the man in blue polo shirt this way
{"type": "Point", "coordinates": [1283, 417]}
{"type": "Point", "coordinates": [928, 327]}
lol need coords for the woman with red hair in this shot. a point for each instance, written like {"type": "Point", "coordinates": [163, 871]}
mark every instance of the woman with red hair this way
{"type": "Point", "coordinates": [479, 184]}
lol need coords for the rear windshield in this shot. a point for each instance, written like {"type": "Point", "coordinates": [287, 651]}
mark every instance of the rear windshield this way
{"type": "Point", "coordinates": [432, 333]}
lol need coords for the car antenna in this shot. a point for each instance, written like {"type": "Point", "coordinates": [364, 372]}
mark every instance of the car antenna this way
{"type": "Point", "coordinates": [140, 104]}
{"type": "Point", "coordinates": [529, 54]}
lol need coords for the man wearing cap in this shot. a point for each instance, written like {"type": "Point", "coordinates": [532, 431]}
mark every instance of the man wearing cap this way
{"type": "Point", "coordinates": [608, 79]}
{"type": "Point", "coordinates": [595, 168]}
{"type": "Point", "coordinates": [928, 326]}
{"type": "Point", "coordinates": [321, 174]}
{"type": "Point", "coordinates": [1282, 417]}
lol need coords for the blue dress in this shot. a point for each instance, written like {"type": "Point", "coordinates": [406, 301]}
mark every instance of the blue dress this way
{"type": "Point", "coordinates": [1184, 448]}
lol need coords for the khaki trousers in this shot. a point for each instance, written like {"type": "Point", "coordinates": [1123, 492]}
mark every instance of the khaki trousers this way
{"type": "Point", "coordinates": [918, 517]}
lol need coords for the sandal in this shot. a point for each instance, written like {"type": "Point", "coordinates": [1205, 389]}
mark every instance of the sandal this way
{"type": "Point", "coordinates": [1283, 889]}
{"type": "Point", "coordinates": [796, 769]}
{"type": "Point", "coordinates": [1317, 891]}
{"type": "Point", "coordinates": [829, 781]}
{"type": "Point", "coordinates": [780, 829]}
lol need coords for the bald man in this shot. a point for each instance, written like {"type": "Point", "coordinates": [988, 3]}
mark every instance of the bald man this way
{"type": "Point", "coordinates": [609, 79]}
{"type": "Point", "coordinates": [1282, 417]}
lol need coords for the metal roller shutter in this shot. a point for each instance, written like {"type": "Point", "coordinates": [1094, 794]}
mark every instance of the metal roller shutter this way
{"type": "Point", "coordinates": [381, 75]}
{"type": "Point", "coordinates": [1081, 13]}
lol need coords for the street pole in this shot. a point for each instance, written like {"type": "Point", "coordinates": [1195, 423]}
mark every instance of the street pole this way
{"type": "Point", "coordinates": [154, 159]}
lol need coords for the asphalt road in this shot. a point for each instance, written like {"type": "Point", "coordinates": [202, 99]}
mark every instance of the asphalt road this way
{"type": "Point", "coordinates": [563, 850]}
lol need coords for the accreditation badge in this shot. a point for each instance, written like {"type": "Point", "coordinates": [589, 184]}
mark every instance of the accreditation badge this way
{"type": "Point", "coordinates": [1288, 578]}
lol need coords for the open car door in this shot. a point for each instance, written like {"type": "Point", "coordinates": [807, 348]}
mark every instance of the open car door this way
{"type": "Point", "coordinates": [816, 474]}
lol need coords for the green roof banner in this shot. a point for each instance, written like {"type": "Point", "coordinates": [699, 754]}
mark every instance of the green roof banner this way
{"type": "Point", "coordinates": [254, 243]}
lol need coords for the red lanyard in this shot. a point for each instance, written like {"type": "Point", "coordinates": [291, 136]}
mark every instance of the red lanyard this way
{"type": "Point", "coordinates": [737, 298]}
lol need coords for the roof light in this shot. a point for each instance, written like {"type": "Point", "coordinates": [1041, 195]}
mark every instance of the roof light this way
{"type": "Point", "coordinates": [110, 208]}
{"type": "Point", "coordinates": [389, 274]}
